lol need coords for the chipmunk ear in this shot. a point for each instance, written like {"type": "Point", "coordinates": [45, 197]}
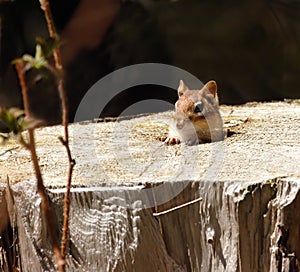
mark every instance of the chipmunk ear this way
{"type": "Point", "coordinates": [182, 88]}
{"type": "Point", "coordinates": [211, 86]}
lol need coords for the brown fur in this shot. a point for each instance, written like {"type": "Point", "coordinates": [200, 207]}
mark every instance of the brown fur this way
{"type": "Point", "coordinates": [196, 118]}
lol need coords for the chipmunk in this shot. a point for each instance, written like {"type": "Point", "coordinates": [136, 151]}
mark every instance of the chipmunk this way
{"type": "Point", "coordinates": [197, 118]}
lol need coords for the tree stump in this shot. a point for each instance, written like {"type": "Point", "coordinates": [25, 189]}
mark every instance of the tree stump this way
{"type": "Point", "coordinates": [138, 205]}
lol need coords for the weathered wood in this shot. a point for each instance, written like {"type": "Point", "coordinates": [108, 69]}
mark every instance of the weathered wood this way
{"type": "Point", "coordinates": [4, 221]}
{"type": "Point", "coordinates": [247, 220]}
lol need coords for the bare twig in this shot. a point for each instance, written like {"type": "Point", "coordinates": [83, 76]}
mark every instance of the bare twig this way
{"type": "Point", "coordinates": [65, 115]}
{"type": "Point", "coordinates": [40, 184]}
{"type": "Point", "coordinates": [177, 207]}
{"type": "Point", "coordinates": [45, 6]}
{"type": "Point", "coordinates": [19, 68]}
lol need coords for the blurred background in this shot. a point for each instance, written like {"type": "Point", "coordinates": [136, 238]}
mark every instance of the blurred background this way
{"type": "Point", "coordinates": [251, 48]}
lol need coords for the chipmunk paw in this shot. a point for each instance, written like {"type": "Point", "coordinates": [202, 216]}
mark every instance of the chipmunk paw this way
{"type": "Point", "coordinates": [172, 141]}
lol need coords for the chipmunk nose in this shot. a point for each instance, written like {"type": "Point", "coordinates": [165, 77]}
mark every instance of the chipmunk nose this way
{"type": "Point", "coordinates": [199, 108]}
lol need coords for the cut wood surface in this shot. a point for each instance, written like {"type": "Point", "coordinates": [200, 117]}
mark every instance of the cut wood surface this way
{"type": "Point", "coordinates": [247, 219]}
{"type": "Point", "coordinates": [131, 152]}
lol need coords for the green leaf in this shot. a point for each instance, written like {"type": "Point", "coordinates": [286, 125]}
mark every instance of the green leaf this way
{"type": "Point", "coordinates": [13, 119]}
{"type": "Point", "coordinates": [28, 58]}
{"type": "Point", "coordinates": [4, 137]}
{"type": "Point", "coordinates": [38, 62]}
{"type": "Point", "coordinates": [48, 46]}
{"type": "Point", "coordinates": [28, 123]}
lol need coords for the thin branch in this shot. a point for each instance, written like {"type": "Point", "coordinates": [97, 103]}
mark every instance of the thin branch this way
{"type": "Point", "coordinates": [177, 207]}
{"type": "Point", "coordinates": [65, 116]}
{"type": "Point", "coordinates": [45, 6]}
{"type": "Point", "coordinates": [45, 205]}
{"type": "Point", "coordinates": [19, 67]}
{"type": "Point", "coordinates": [64, 238]}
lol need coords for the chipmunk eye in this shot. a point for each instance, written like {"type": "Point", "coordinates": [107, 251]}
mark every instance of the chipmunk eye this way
{"type": "Point", "coordinates": [198, 108]}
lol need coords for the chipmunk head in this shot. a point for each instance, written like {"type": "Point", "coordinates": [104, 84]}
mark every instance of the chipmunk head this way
{"type": "Point", "coordinates": [197, 104]}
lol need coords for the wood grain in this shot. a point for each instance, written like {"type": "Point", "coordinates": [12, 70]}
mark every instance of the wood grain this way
{"type": "Point", "coordinates": [247, 219]}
